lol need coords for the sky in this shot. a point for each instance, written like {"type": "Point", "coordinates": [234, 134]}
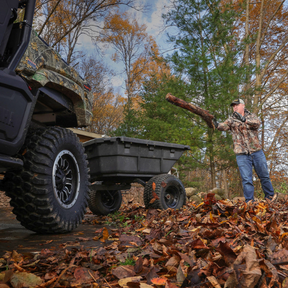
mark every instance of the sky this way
{"type": "Point", "coordinates": [155, 27]}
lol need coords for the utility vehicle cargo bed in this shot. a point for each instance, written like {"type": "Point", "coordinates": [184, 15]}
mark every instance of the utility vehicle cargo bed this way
{"type": "Point", "coordinates": [127, 158]}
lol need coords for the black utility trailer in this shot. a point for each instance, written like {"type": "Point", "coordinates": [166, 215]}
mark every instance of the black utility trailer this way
{"type": "Point", "coordinates": [117, 162]}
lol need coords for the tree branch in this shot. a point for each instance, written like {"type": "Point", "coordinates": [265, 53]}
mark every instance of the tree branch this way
{"type": "Point", "coordinates": [273, 56]}
{"type": "Point", "coordinates": [269, 21]}
{"type": "Point", "coordinates": [276, 86]}
{"type": "Point", "coordinates": [277, 134]}
{"type": "Point", "coordinates": [48, 17]}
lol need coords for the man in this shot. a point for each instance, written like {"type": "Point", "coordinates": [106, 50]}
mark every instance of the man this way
{"type": "Point", "coordinates": [248, 150]}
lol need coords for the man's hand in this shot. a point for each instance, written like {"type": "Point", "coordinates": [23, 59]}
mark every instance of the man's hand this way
{"type": "Point", "coordinates": [239, 116]}
{"type": "Point", "coordinates": [215, 123]}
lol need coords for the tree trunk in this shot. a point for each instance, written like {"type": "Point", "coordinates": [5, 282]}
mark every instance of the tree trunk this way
{"type": "Point", "coordinates": [211, 158]}
{"type": "Point", "coordinates": [262, 131]}
{"type": "Point", "coordinates": [247, 62]}
{"type": "Point", "coordinates": [225, 184]}
{"type": "Point", "coordinates": [212, 171]}
{"type": "Point", "coordinates": [258, 59]}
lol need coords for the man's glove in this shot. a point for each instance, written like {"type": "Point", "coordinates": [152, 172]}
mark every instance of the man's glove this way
{"type": "Point", "coordinates": [215, 123]}
{"type": "Point", "coordinates": [239, 116]}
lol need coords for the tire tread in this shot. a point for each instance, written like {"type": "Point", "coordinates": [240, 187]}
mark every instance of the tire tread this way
{"type": "Point", "coordinates": [30, 188]}
{"type": "Point", "coordinates": [158, 180]}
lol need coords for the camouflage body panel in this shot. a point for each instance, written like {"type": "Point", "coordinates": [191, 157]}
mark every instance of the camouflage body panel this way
{"type": "Point", "coordinates": [42, 66]}
{"type": "Point", "coordinates": [245, 135]}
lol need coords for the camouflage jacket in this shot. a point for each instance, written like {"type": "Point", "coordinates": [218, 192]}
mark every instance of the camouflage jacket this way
{"type": "Point", "coordinates": [245, 135]}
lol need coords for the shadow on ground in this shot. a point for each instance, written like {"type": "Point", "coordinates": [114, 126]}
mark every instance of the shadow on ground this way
{"type": "Point", "coordinates": [13, 236]}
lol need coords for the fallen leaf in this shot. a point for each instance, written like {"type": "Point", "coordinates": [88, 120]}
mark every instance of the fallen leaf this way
{"type": "Point", "coordinates": [16, 256]}
{"type": "Point", "coordinates": [163, 184]}
{"type": "Point", "coordinates": [213, 281]}
{"type": "Point", "coordinates": [173, 261]}
{"type": "Point", "coordinates": [170, 285]}
{"type": "Point", "coordinates": [228, 254]}
{"type": "Point", "coordinates": [180, 276]}
{"type": "Point", "coordinates": [7, 275]}
{"type": "Point", "coordinates": [123, 282]}
{"type": "Point", "coordinates": [127, 239]}
{"type": "Point", "coordinates": [151, 273]}
{"type": "Point", "coordinates": [284, 283]}
{"type": "Point", "coordinates": [187, 259]}
{"type": "Point", "coordinates": [24, 279]}
{"type": "Point", "coordinates": [198, 244]}
{"type": "Point", "coordinates": [84, 275]}
{"type": "Point", "coordinates": [155, 196]}
{"type": "Point", "coordinates": [209, 199]}
{"type": "Point", "coordinates": [144, 285]}
{"type": "Point", "coordinates": [270, 270]}
{"type": "Point", "coordinates": [105, 235]}
{"type": "Point", "coordinates": [159, 281]}
{"type": "Point", "coordinates": [252, 273]}
{"type": "Point", "coordinates": [83, 239]}
{"type": "Point", "coordinates": [138, 265]}
{"type": "Point", "coordinates": [99, 230]}
{"type": "Point", "coordinates": [123, 271]}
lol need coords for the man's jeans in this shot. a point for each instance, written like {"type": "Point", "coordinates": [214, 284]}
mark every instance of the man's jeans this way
{"type": "Point", "coordinates": [245, 163]}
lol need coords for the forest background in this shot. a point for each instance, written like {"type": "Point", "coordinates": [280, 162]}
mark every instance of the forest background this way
{"type": "Point", "coordinates": [222, 50]}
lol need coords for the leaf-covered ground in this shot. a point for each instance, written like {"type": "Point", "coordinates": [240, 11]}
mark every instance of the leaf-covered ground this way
{"type": "Point", "coordinates": [214, 244]}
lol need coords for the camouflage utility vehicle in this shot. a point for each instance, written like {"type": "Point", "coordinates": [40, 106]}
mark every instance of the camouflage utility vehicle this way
{"type": "Point", "coordinates": [40, 95]}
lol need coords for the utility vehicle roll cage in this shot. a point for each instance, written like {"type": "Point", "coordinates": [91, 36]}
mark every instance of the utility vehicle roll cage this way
{"type": "Point", "coordinates": [14, 37]}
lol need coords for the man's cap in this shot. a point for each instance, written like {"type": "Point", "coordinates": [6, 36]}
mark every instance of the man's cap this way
{"type": "Point", "coordinates": [237, 101]}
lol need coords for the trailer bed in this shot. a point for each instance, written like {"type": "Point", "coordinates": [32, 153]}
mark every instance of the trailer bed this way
{"type": "Point", "coordinates": [123, 158]}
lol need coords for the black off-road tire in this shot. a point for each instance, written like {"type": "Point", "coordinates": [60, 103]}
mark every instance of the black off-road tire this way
{"type": "Point", "coordinates": [169, 192]}
{"type": "Point", "coordinates": [104, 202]}
{"type": "Point", "coordinates": [50, 193]}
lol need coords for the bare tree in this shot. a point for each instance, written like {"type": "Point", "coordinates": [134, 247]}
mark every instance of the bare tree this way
{"type": "Point", "coordinates": [107, 106]}
{"type": "Point", "coordinates": [61, 22]}
{"type": "Point", "coordinates": [133, 48]}
{"type": "Point", "coordinates": [266, 36]}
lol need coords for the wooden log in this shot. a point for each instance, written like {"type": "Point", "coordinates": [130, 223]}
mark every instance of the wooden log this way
{"type": "Point", "coordinates": [204, 114]}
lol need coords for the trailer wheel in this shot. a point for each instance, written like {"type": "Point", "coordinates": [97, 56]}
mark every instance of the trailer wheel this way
{"type": "Point", "coordinates": [50, 193]}
{"type": "Point", "coordinates": [104, 202]}
{"type": "Point", "coordinates": [164, 191]}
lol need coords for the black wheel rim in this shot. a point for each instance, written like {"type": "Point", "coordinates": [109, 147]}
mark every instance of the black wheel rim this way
{"type": "Point", "coordinates": [171, 196]}
{"type": "Point", "coordinates": [109, 198]}
{"type": "Point", "coordinates": [66, 179]}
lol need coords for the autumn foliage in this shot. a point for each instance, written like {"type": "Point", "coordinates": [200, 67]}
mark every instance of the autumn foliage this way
{"type": "Point", "coordinates": [107, 112]}
{"type": "Point", "coordinates": [136, 50]}
{"type": "Point", "coordinates": [213, 244]}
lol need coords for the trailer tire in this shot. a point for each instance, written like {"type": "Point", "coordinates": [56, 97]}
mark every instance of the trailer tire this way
{"type": "Point", "coordinates": [164, 191]}
{"type": "Point", "coordinates": [50, 194]}
{"type": "Point", "coordinates": [104, 202]}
